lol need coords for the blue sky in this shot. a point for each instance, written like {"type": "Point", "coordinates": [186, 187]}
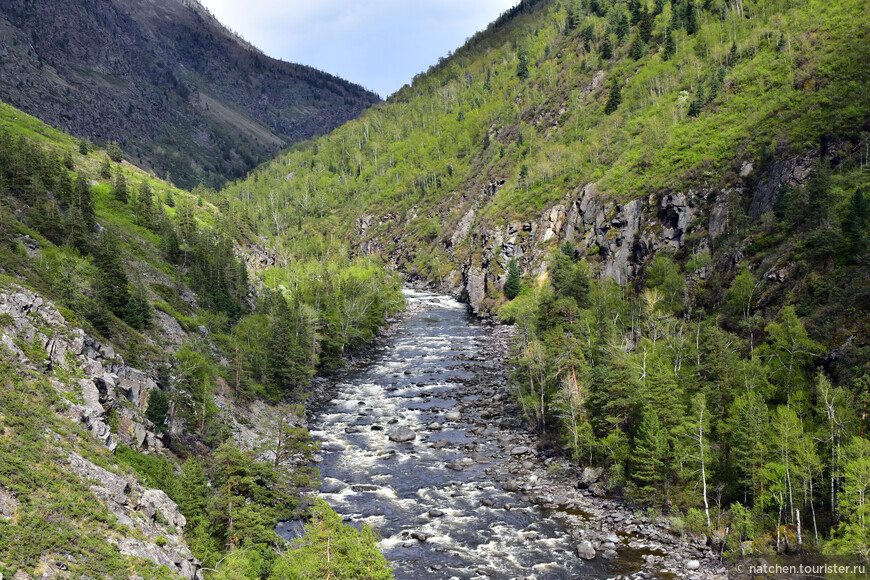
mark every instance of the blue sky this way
{"type": "Point", "coordinates": [380, 44]}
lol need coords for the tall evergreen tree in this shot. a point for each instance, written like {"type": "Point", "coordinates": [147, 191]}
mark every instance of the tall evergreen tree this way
{"type": "Point", "coordinates": [615, 97]}
{"type": "Point", "coordinates": [512, 284]}
{"type": "Point", "coordinates": [111, 278]}
{"type": "Point", "coordinates": [691, 18]}
{"type": "Point", "coordinates": [522, 63]}
{"type": "Point", "coordinates": [637, 49]}
{"type": "Point", "coordinates": [855, 225]}
{"type": "Point", "coordinates": [119, 188]}
{"type": "Point", "coordinates": [649, 458]}
{"type": "Point", "coordinates": [606, 48]}
{"type": "Point", "coordinates": [646, 25]}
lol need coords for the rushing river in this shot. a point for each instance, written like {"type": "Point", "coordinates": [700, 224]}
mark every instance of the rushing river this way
{"type": "Point", "coordinates": [421, 373]}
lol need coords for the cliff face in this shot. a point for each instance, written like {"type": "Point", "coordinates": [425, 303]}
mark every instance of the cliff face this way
{"type": "Point", "coordinates": [176, 89]}
{"type": "Point", "coordinates": [620, 239]}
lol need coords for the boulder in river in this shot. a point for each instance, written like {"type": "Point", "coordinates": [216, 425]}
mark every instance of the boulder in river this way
{"type": "Point", "coordinates": [520, 450]}
{"type": "Point", "coordinates": [585, 550]}
{"type": "Point", "coordinates": [434, 426]}
{"type": "Point", "coordinates": [403, 434]}
{"type": "Point", "coordinates": [452, 416]}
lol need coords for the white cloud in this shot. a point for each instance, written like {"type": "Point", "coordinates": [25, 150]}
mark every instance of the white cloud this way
{"type": "Point", "coordinates": [380, 44]}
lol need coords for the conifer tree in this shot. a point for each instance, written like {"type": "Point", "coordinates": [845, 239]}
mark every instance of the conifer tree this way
{"type": "Point", "coordinates": [691, 18]}
{"type": "Point", "coordinates": [111, 277]}
{"type": "Point", "coordinates": [615, 97]}
{"type": "Point", "coordinates": [512, 284]}
{"type": "Point", "coordinates": [649, 457]}
{"type": "Point", "coordinates": [637, 49]}
{"type": "Point", "coordinates": [855, 225]}
{"type": "Point", "coordinates": [146, 210]}
{"type": "Point", "coordinates": [645, 26]}
{"type": "Point", "coordinates": [158, 407]}
{"type": "Point", "coordinates": [119, 188]}
{"type": "Point", "coordinates": [623, 27]}
{"type": "Point", "coordinates": [606, 48]}
{"type": "Point", "coordinates": [522, 63]}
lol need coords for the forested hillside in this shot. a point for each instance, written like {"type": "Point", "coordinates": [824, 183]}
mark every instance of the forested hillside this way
{"type": "Point", "coordinates": [179, 92]}
{"type": "Point", "coordinates": [160, 348]}
{"type": "Point", "coordinates": [673, 195]}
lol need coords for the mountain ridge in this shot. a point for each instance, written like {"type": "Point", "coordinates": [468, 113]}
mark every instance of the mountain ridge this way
{"type": "Point", "coordinates": [178, 90]}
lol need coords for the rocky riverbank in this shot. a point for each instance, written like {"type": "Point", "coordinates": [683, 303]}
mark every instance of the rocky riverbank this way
{"type": "Point", "coordinates": [600, 527]}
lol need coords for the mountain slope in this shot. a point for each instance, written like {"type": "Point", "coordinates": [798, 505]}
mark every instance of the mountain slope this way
{"type": "Point", "coordinates": [179, 92]}
{"type": "Point", "coordinates": [152, 370]}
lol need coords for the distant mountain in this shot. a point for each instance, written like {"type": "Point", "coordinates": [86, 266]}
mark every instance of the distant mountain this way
{"type": "Point", "coordinates": [174, 87]}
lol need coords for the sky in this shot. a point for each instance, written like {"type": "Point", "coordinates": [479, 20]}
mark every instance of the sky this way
{"type": "Point", "coordinates": [379, 44]}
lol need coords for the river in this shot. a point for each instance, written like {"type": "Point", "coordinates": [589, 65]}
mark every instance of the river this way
{"type": "Point", "coordinates": [437, 521]}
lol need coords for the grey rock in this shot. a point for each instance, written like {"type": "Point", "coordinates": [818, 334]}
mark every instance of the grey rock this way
{"type": "Point", "coordinates": [592, 475]}
{"type": "Point", "coordinates": [403, 434]}
{"type": "Point", "coordinates": [693, 565]}
{"type": "Point", "coordinates": [520, 450]}
{"type": "Point", "coordinates": [118, 486]}
{"type": "Point", "coordinates": [155, 501]}
{"type": "Point", "coordinates": [585, 550]}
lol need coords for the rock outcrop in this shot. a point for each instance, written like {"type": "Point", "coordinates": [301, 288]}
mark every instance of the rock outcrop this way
{"type": "Point", "coordinates": [108, 383]}
{"type": "Point", "coordinates": [149, 512]}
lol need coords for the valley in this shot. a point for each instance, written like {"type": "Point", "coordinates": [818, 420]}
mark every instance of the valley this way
{"type": "Point", "coordinates": [588, 298]}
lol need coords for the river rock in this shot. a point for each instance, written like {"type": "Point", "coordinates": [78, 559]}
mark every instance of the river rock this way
{"type": "Point", "coordinates": [434, 426]}
{"type": "Point", "coordinates": [585, 550]}
{"type": "Point", "coordinates": [403, 435]}
{"type": "Point", "coordinates": [520, 450]}
{"type": "Point", "coordinates": [435, 513]}
{"type": "Point", "coordinates": [693, 565]}
{"type": "Point", "coordinates": [453, 416]}
{"type": "Point", "coordinates": [592, 475]}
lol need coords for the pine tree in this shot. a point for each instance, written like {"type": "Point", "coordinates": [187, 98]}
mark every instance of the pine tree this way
{"type": "Point", "coordinates": [634, 9]}
{"type": "Point", "coordinates": [615, 98]}
{"type": "Point", "coordinates": [697, 103]}
{"type": "Point", "coordinates": [111, 277]}
{"type": "Point", "coordinates": [119, 188]}
{"type": "Point", "coordinates": [106, 168]}
{"type": "Point", "coordinates": [623, 27]}
{"type": "Point", "coordinates": [158, 407]}
{"type": "Point", "coordinates": [84, 202]}
{"type": "Point", "coordinates": [512, 284]}
{"type": "Point", "coordinates": [646, 25]}
{"type": "Point", "coordinates": [113, 150]}
{"type": "Point", "coordinates": [692, 23]}
{"type": "Point", "coordinates": [145, 211]}
{"type": "Point", "coordinates": [522, 63]}
{"type": "Point", "coordinates": [855, 225]}
{"type": "Point", "coordinates": [133, 314]}
{"type": "Point", "coordinates": [649, 458]}
{"type": "Point", "coordinates": [637, 49]}
{"type": "Point", "coordinates": [659, 7]}
{"type": "Point", "coordinates": [606, 48]}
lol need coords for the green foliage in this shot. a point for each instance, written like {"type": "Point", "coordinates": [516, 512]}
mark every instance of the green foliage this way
{"type": "Point", "coordinates": [111, 283]}
{"type": "Point", "coordinates": [512, 284]}
{"type": "Point", "coordinates": [113, 150]}
{"type": "Point", "coordinates": [330, 549]}
{"type": "Point", "coordinates": [158, 408]}
{"type": "Point", "coordinates": [614, 99]}
{"type": "Point", "coordinates": [522, 64]}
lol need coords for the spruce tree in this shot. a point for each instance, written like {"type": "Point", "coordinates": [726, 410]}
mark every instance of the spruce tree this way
{"type": "Point", "coordinates": [615, 97]}
{"type": "Point", "coordinates": [649, 457]}
{"type": "Point", "coordinates": [646, 25]}
{"type": "Point", "coordinates": [512, 284]}
{"type": "Point", "coordinates": [855, 225]}
{"type": "Point", "coordinates": [145, 212]}
{"type": "Point", "coordinates": [158, 407]}
{"type": "Point", "coordinates": [692, 24]}
{"type": "Point", "coordinates": [637, 49]}
{"type": "Point", "coordinates": [119, 188]}
{"type": "Point", "coordinates": [606, 48]}
{"type": "Point", "coordinates": [622, 27]}
{"type": "Point", "coordinates": [522, 63]}
{"type": "Point", "coordinates": [133, 314]}
{"type": "Point", "coordinates": [111, 277]}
